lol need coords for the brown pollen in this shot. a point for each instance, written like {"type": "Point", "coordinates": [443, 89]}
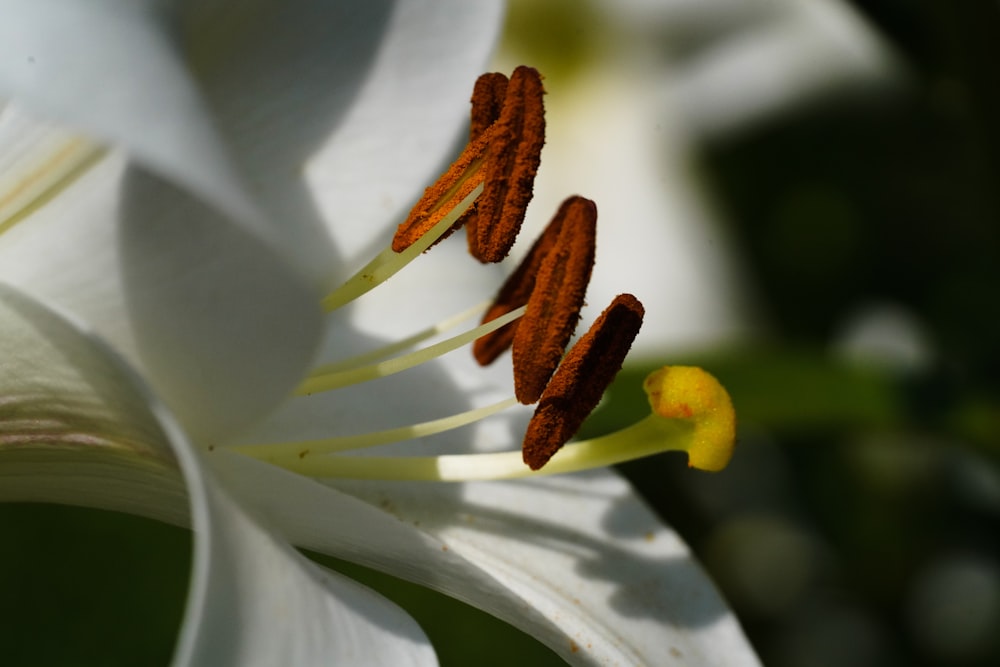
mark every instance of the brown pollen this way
{"type": "Point", "coordinates": [553, 308]}
{"type": "Point", "coordinates": [578, 384]}
{"type": "Point", "coordinates": [513, 160]}
{"type": "Point", "coordinates": [487, 101]}
{"type": "Point", "coordinates": [462, 177]}
{"type": "Point", "coordinates": [516, 291]}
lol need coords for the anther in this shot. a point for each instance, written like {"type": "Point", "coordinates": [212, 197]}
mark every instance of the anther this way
{"type": "Point", "coordinates": [578, 384]}
{"type": "Point", "coordinates": [514, 155]}
{"type": "Point", "coordinates": [516, 291]}
{"type": "Point", "coordinates": [463, 176]}
{"type": "Point", "coordinates": [553, 308]}
{"type": "Point", "coordinates": [503, 157]}
{"type": "Point", "coordinates": [487, 101]}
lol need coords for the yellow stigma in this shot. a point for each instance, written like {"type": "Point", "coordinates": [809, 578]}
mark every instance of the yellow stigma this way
{"type": "Point", "coordinates": [690, 394]}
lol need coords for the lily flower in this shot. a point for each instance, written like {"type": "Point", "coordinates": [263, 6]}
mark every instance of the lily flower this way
{"type": "Point", "coordinates": [639, 99]}
{"type": "Point", "coordinates": [192, 198]}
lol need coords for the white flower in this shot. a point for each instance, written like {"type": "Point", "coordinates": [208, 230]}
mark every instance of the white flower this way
{"type": "Point", "coordinates": [669, 77]}
{"type": "Point", "coordinates": [160, 295]}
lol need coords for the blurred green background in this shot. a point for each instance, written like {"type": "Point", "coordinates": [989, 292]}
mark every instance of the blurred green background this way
{"type": "Point", "coordinates": [857, 524]}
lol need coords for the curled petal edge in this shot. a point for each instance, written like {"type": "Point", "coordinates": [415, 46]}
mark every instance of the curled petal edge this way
{"type": "Point", "coordinates": [80, 421]}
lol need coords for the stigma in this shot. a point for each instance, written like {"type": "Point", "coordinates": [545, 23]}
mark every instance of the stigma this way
{"type": "Point", "coordinates": [534, 316]}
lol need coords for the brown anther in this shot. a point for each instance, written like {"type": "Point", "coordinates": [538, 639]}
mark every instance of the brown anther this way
{"type": "Point", "coordinates": [577, 387]}
{"type": "Point", "coordinates": [553, 308]}
{"type": "Point", "coordinates": [462, 177]}
{"type": "Point", "coordinates": [513, 159]}
{"type": "Point", "coordinates": [516, 291]}
{"type": "Point", "coordinates": [487, 101]}
{"type": "Point", "coordinates": [507, 133]}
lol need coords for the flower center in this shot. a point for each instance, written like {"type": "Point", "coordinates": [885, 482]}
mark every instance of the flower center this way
{"type": "Point", "coordinates": [486, 191]}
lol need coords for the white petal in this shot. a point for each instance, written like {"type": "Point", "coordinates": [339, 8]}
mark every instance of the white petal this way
{"type": "Point", "coordinates": [437, 285]}
{"type": "Point", "coordinates": [152, 269]}
{"type": "Point", "coordinates": [57, 211]}
{"type": "Point", "coordinates": [365, 98]}
{"type": "Point", "coordinates": [222, 323]}
{"type": "Point", "coordinates": [253, 599]}
{"type": "Point", "coordinates": [657, 238]}
{"type": "Point", "coordinates": [191, 242]}
{"type": "Point", "coordinates": [268, 85]}
{"type": "Point", "coordinates": [577, 561]}
{"type": "Point", "coordinates": [623, 132]}
{"type": "Point", "coordinates": [111, 69]}
{"type": "Point", "coordinates": [370, 95]}
{"type": "Point", "coordinates": [582, 550]}
{"type": "Point", "coordinates": [805, 53]}
{"type": "Point", "coordinates": [404, 121]}
{"type": "Point", "coordinates": [256, 601]}
{"type": "Point", "coordinates": [735, 63]}
{"type": "Point", "coordinates": [71, 430]}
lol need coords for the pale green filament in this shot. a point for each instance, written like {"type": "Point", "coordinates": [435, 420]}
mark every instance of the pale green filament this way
{"type": "Point", "coordinates": [316, 383]}
{"type": "Point", "coordinates": [286, 453]}
{"type": "Point", "coordinates": [30, 189]}
{"type": "Point", "coordinates": [652, 435]}
{"type": "Point", "coordinates": [691, 412]}
{"type": "Point", "coordinates": [388, 262]}
{"type": "Point", "coordinates": [397, 347]}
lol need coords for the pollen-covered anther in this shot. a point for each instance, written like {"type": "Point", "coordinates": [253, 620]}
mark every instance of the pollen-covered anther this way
{"type": "Point", "coordinates": [513, 158]}
{"type": "Point", "coordinates": [502, 156]}
{"type": "Point", "coordinates": [487, 102]}
{"type": "Point", "coordinates": [463, 176]}
{"type": "Point", "coordinates": [553, 309]}
{"type": "Point", "coordinates": [517, 289]}
{"type": "Point", "coordinates": [578, 384]}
